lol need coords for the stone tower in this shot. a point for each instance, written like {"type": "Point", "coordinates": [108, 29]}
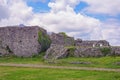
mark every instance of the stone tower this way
{"type": "Point", "coordinates": [20, 41]}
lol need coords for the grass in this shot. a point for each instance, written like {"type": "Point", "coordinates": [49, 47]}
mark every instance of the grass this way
{"type": "Point", "coordinates": [18, 73]}
{"type": "Point", "coordinates": [102, 62]}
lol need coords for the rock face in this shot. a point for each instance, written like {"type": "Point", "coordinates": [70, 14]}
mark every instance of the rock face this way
{"type": "Point", "coordinates": [20, 41]}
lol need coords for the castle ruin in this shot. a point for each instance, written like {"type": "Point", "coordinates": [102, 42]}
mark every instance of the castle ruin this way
{"type": "Point", "coordinates": [30, 40]}
{"type": "Point", "coordinates": [20, 41]}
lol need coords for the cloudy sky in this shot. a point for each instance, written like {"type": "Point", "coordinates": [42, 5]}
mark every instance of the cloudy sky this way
{"type": "Point", "coordinates": [86, 19]}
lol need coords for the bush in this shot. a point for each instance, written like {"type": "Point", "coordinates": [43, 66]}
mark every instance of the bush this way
{"type": "Point", "coordinates": [105, 50]}
{"type": "Point", "coordinates": [63, 33]}
{"type": "Point", "coordinates": [44, 40]}
{"type": "Point", "coordinates": [71, 50]}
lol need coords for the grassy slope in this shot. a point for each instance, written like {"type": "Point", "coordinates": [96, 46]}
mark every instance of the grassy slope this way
{"type": "Point", "coordinates": [17, 73]}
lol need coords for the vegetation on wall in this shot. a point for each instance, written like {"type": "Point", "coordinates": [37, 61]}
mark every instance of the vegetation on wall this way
{"type": "Point", "coordinates": [71, 50]}
{"type": "Point", "coordinates": [105, 50]}
{"type": "Point", "coordinates": [63, 33]}
{"type": "Point", "coordinates": [66, 39]}
{"type": "Point", "coordinates": [44, 40]}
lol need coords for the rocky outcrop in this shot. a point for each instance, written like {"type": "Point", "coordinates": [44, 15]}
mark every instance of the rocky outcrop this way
{"type": "Point", "coordinates": [20, 41]}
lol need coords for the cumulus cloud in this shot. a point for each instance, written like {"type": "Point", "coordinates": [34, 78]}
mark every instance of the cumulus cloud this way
{"type": "Point", "coordinates": [111, 31]}
{"type": "Point", "coordinates": [17, 11]}
{"type": "Point", "coordinates": [61, 17]}
{"type": "Point", "coordinates": [4, 11]}
{"type": "Point", "coordinates": [109, 7]}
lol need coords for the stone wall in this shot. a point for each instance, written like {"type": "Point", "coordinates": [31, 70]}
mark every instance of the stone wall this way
{"type": "Point", "coordinates": [91, 43]}
{"type": "Point", "coordinates": [61, 39]}
{"type": "Point", "coordinates": [30, 40]}
{"type": "Point", "coordinates": [115, 50]}
{"type": "Point", "coordinates": [20, 41]}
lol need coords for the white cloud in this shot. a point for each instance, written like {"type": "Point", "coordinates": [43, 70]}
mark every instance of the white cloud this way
{"type": "Point", "coordinates": [109, 7]}
{"type": "Point", "coordinates": [111, 31]}
{"type": "Point", "coordinates": [61, 17]}
{"type": "Point", "coordinates": [17, 11]}
{"type": "Point", "coordinates": [4, 11]}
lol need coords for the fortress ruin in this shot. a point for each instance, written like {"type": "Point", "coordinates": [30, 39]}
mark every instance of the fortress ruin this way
{"type": "Point", "coordinates": [31, 40]}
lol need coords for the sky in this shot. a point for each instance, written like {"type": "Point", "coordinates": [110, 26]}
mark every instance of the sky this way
{"type": "Point", "coordinates": [84, 19]}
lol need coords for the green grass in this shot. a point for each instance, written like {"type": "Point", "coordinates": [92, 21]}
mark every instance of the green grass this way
{"type": "Point", "coordinates": [103, 62]}
{"type": "Point", "coordinates": [17, 73]}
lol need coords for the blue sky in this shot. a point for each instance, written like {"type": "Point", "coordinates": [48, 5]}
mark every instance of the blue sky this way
{"type": "Point", "coordinates": [85, 19]}
{"type": "Point", "coordinates": [39, 6]}
{"type": "Point", "coordinates": [42, 7]}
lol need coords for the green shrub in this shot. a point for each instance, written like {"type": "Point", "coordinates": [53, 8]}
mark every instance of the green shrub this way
{"type": "Point", "coordinates": [44, 40]}
{"type": "Point", "coordinates": [63, 33]}
{"type": "Point", "coordinates": [71, 50]}
{"type": "Point", "coordinates": [105, 50]}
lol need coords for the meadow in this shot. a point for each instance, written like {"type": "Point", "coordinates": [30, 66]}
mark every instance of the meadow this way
{"type": "Point", "coordinates": [27, 73]}
{"type": "Point", "coordinates": [21, 73]}
{"type": "Point", "coordinates": [101, 62]}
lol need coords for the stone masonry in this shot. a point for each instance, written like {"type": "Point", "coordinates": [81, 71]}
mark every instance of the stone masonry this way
{"type": "Point", "coordinates": [20, 41]}
{"type": "Point", "coordinates": [27, 41]}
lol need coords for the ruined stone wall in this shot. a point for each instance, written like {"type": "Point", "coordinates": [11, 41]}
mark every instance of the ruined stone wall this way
{"type": "Point", "coordinates": [92, 43]}
{"type": "Point", "coordinates": [21, 41]}
{"type": "Point", "coordinates": [115, 50]}
{"type": "Point", "coordinates": [61, 39]}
